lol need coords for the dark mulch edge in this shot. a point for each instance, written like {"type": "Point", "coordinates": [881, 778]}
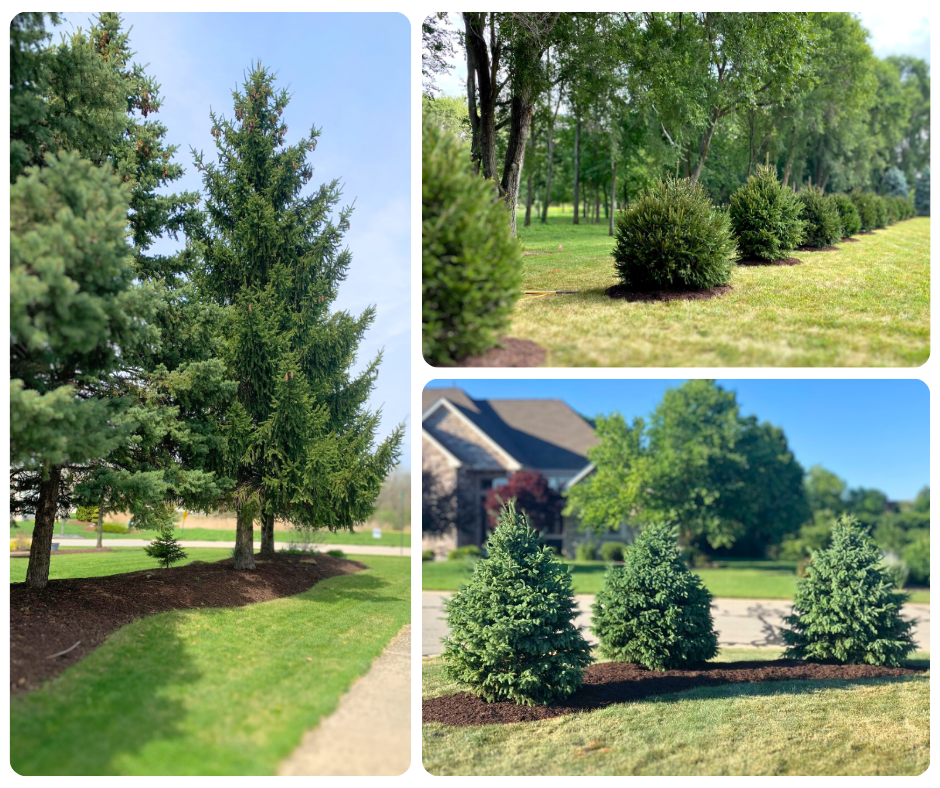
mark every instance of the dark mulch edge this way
{"type": "Point", "coordinates": [49, 620]}
{"type": "Point", "coordinates": [607, 683]}
{"type": "Point", "coordinates": [511, 352]}
{"type": "Point", "coordinates": [817, 249]}
{"type": "Point", "coordinates": [624, 293]}
{"type": "Point", "coordinates": [868, 232]}
{"type": "Point", "coordinates": [782, 261]}
{"type": "Point", "coordinates": [847, 239]}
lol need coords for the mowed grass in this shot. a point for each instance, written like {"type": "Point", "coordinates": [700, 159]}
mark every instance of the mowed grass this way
{"type": "Point", "coordinates": [117, 561]}
{"type": "Point", "coordinates": [212, 691]}
{"type": "Point", "coordinates": [389, 538]}
{"type": "Point", "coordinates": [732, 580]}
{"type": "Point", "coordinates": [874, 727]}
{"type": "Point", "coordinates": [867, 304]}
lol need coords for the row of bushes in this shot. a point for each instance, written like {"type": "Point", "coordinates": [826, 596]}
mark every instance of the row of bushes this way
{"type": "Point", "coordinates": [512, 636]}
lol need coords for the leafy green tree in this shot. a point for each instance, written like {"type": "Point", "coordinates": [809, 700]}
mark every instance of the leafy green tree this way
{"type": "Point", "coordinates": [298, 439]}
{"type": "Point", "coordinates": [512, 637]}
{"type": "Point", "coordinates": [846, 608]}
{"type": "Point", "coordinates": [166, 548]}
{"type": "Point", "coordinates": [825, 490]}
{"type": "Point", "coordinates": [653, 610]}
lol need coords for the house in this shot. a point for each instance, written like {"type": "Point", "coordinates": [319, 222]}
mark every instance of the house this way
{"type": "Point", "coordinates": [469, 446]}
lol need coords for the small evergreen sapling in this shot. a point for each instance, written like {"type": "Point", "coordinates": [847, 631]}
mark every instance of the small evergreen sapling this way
{"type": "Point", "coordinates": [511, 631]}
{"type": "Point", "coordinates": [653, 610]}
{"type": "Point", "coordinates": [846, 608]}
{"type": "Point", "coordinates": [766, 217]}
{"type": "Point", "coordinates": [821, 214]}
{"type": "Point", "coordinates": [165, 548]}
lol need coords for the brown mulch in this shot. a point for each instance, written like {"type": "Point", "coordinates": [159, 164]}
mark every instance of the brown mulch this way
{"type": "Point", "coordinates": [606, 683]}
{"type": "Point", "coordinates": [817, 248]}
{"type": "Point", "coordinates": [513, 353]}
{"type": "Point", "coordinates": [625, 293]}
{"type": "Point", "coordinates": [868, 232]}
{"type": "Point", "coordinates": [849, 240]}
{"type": "Point", "coordinates": [782, 261]}
{"type": "Point", "coordinates": [49, 620]}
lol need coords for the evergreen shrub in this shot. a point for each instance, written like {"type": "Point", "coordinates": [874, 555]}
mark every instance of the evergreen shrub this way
{"type": "Point", "coordinates": [823, 222]}
{"type": "Point", "coordinates": [848, 213]}
{"type": "Point", "coordinates": [165, 548]}
{"type": "Point", "coordinates": [653, 610]}
{"type": "Point", "coordinates": [471, 263]}
{"type": "Point", "coordinates": [846, 609]}
{"type": "Point", "coordinates": [766, 217]}
{"type": "Point", "coordinates": [467, 551]}
{"type": "Point", "coordinates": [585, 551]}
{"type": "Point", "coordinates": [427, 555]}
{"type": "Point", "coordinates": [612, 551]}
{"type": "Point", "coordinates": [922, 193]}
{"type": "Point", "coordinates": [673, 238]}
{"type": "Point", "coordinates": [867, 206]}
{"type": "Point", "coordinates": [891, 210]}
{"type": "Point", "coordinates": [894, 183]}
{"type": "Point", "coordinates": [881, 211]}
{"type": "Point", "coordinates": [512, 636]}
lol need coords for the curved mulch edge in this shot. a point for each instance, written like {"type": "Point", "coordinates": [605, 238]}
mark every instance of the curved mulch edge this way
{"type": "Point", "coordinates": [625, 293]}
{"type": "Point", "coordinates": [781, 261]}
{"type": "Point", "coordinates": [818, 249]}
{"type": "Point", "coordinates": [608, 683]}
{"type": "Point", "coordinates": [510, 352]}
{"type": "Point", "coordinates": [868, 232]}
{"type": "Point", "coordinates": [849, 239]}
{"type": "Point", "coordinates": [46, 621]}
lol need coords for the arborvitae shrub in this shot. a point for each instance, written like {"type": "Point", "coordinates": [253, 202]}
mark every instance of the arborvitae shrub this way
{"type": "Point", "coordinates": [905, 207]}
{"type": "Point", "coordinates": [894, 183]}
{"type": "Point", "coordinates": [653, 610]}
{"type": "Point", "coordinates": [471, 263]}
{"type": "Point", "coordinates": [881, 211]}
{"type": "Point", "coordinates": [821, 214]}
{"type": "Point", "coordinates": [922, 193]}
{"type": "Point", "coordinates": [165, 548]}
{"type": "Point", "coordinates": [848, 213]}
{"type": "Point", "coordinates": [867, 206]}
{"type": "Point", "coordinates": [673, 238]}
{"type": "Point", "coordinates": [765, 217]}
{"type": "Point", "coordinates": [512, 636]}
{"type": "Point", "coordinates": [891, 209]}
{"type": "Point", "coordinates": [846, 609]}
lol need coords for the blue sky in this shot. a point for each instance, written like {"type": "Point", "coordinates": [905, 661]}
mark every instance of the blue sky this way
{"type": "Point", "coordinates": [872, 433]}
{"type": "Point", "coordinates": [349, 74]}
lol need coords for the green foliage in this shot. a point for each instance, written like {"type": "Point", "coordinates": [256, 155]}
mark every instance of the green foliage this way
{"type": "Point", "coordinates": [846, 609]}
{"type": "Point", "coordinates": [917, 556]}
{"type": "Point", "coordinates": [336, 553]}
{"type": "Point", "coordinates": [821, 214]}
{"type": "Point", "coordinates": [673, 238]}
{"type": "Point", "coordinates": [467, 551]}
{"type": "Point", "coordinates": [86, 514]}
{"type": "Point", "coordinates": [653, 610]}
{"type": "Point", "coordinates": [848, 214]}
{"type": "Point", "coordinates": [427, 555]}
{"type": "Point", "coordinates": [471, 263]}
{"type": "Point", "coordinates": [881, 211]}
{"type": "Point", "coordinates": [165, 548]}
{"type": "Point", "coordinates": [612, 551]}
{"type": "Point", "coordinates": [922, 193]}
{"type": "Point", "coordinates": [867, 205]}
{"type": "Point", "coordinates": [511, 631]}
{"type": "Point", "coordinates": [766, 217]}
{"type": "Point", "coordinates": [114, 528]}
{"type": "Point", "coordinates": [894, 184]}
{"type": "Point", "coordinates": [891, 209]}
{"type": "Point", "coordinates": [585, 551]}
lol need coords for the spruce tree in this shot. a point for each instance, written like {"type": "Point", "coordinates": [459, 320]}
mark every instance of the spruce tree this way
{"type": "Point", "coordinates": [299, 441]}
{"type": "Point", "coordinates": [846, 609]}
{"type": "Point", "coordinates": [653, 610]}
{"type": "Point", "coordinates": [165, 548]}
{"type": "Point", "coordinates": [511, 632]}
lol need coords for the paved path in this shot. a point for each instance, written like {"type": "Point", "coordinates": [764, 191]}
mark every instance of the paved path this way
{"type": "Point", "coordinates": [369, 734]}
{"type": "Point", "coordinates": [349, 549]}
{"type": "Point", "coordinates": [741, 623]}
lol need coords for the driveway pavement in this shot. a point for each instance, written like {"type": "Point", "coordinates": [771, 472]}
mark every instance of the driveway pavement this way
{"type": "Point", "coordinates": [741, 623]}
{"type": "Point", "coordinates": [349, 549]}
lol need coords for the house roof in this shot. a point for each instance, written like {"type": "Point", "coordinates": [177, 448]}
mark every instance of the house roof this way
{"type": "Point", "coordinates": [543, 434]}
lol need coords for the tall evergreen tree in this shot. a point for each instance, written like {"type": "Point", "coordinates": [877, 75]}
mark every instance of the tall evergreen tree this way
{"type": "Point", "coordinates": [300, 442]}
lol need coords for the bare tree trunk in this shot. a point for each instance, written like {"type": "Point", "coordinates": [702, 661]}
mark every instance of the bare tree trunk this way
{"type": "Point", "coordinates": [267, 536]}
{"type": "Point", "coordinates": [789, 164]}
{"type": "Point", "coordinates": [479, 76]}
{"type": "Point", "coordinates": [551, 160]}
{"type": "Point", "coordinates": [613, 199]}
{"type": "Point", "coordinates": [597, 204]}
{"type": "Point", "coordinates": [100, 523]}
{"type": "Point", "coordinates": [577, 170]}
{"type": "Point", "coordinates": [520, 119]}
{"type": "Point", "coordinates": [528, 199]}
{"type": "Point", "coordinates": [703, 149]}
{"type": "Point", "coordinates": [244, 537]}
{"type": "Point", "coordinates": [37, 573]}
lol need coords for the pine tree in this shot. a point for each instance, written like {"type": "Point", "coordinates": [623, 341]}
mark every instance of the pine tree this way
{"type": "Point", "coordinates": [300, 442]}
{"type": "Point", "coordinates": [511, 631]}
{"type": "Point", "coordinates": [653, 610]}
{"type": "Point", "coordinates": [846, 608]}
{"type": "Point", "coordinates": [165, 548]}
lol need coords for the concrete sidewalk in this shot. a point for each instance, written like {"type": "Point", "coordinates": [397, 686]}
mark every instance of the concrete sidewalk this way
{"type": "Point", "coordinates": [349, 549]}
{"type": "Point", "coordinates": [369, 734]}
{"type": "Point", "coordinates": [741, 623]}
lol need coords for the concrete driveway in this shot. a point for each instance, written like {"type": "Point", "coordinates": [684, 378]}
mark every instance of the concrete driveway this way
{"type": "Point", "coordinates": [741, 623]}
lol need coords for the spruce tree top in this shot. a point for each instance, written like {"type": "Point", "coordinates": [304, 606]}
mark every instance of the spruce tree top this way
{"type": "Point", "coordinates": [512, 636]}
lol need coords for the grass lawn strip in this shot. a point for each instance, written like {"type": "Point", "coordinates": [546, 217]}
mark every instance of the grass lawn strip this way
{"type": "Point", "coordinates": [213, 690]}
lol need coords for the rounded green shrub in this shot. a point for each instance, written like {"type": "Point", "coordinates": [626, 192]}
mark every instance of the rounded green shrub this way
{"type": "Point", "coordinates": [673, 238]}
{"type": "Point", "coordinates": [612, 551]}
{"type": "Point", "coordinates": [848, 213]}
{"type": "Point", "coordinates": [427, 555]}
{"type": "Point", "coordinates": [922, 193]}
{"type": "Point", "coordinates": [846, 609]}
{"type": "Point", "coordinates": [471, 263]}
{"type": "Point", "coordinates": [867, 206]}
{"type": "Point", "coordinates": [585, 551]}
{"type": "Point", "coordinates": [765, 217]}
{"type": "Point", "coordinates": [881, 211]}
{"type": "Point", "coordinates": [821, 214]}
{"type": "Point", "coordinates": [891, 210]}
{"type": "Point", "coordinates": [917, 556]}
{"type": "Point", "coordinates": [467, 551]}
{"type": "Point", "coordinates": [512, 636]}
{"type": "Point", "coordinates": [652, 610]}
{"type": "Point", "coordinates": [86, 514]}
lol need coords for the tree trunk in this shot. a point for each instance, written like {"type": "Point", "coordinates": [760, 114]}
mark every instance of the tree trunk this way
{"type": "Point", "coordinates": [520, 119]}
{"type": "Point", "coordinates": [703, 149]}
{"type": "Point", "coordinates": [789, 164]}
{"type": "Point", "coordinates": [37, 573]}
{"type": "Point", "coordinates": [613, 199]}
{"type": "Point", "coordinates": [267, 536]}
{"type": "Point", "coordinates": [528, 199]}
{"type": "Point", "coordinates": [479, 80]}
{"type": "Point", "coordinates": [577, 170]}
{"type": "Point", "coordinates": [597, 204]}
{"type": "Point", "coordinates": [100, 523]}
{"type": "Point", "coordinates": [551, 159]}
{"type": "Point", "coordinates": [244, 538]}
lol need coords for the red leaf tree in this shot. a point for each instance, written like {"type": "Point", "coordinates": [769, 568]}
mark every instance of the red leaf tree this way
{"type": "Point", "coordinates": [532, 494]}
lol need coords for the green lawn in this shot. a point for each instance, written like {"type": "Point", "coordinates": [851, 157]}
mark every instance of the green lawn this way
{"type": "Point", "coordinates": [869, 727]}
{"type": "Point", "coordinates": [737, 579]}
{"type": "Point", "coordinates": [217, 691]}
{"type": "Point", "coordinates": [390, 538]}
{"type": "Point", "coordinates": [865, 305]}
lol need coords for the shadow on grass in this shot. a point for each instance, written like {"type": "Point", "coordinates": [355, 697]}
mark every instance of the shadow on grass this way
{"type": "Point", "coordinates": [361, 586]}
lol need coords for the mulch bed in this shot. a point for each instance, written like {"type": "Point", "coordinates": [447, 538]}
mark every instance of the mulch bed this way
{"type": "Point", "coordinates": [49, 620]}
{"type": "Point", "coordinates": [817, 249]}
{"type": "Point", "coordinates": [849, 240]}
{"type": "Point", "coordinates": [513, 353]}
{"type": "Point", "coordinates": [868, 232]}
{"type": "Point", "coordinates": [782, 261]}
{"type": "Point", "coordinates": [606, 683]}
{"type": "Point", "coordinates": [626, 294]}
